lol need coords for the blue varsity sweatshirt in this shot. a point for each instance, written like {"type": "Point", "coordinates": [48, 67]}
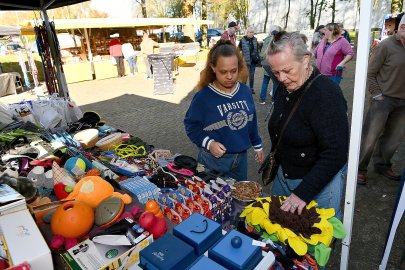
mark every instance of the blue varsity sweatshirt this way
{"type": "Point", "coordinates": [226, 118]}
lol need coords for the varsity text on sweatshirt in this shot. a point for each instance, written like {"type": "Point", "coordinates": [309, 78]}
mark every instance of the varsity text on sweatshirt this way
{"type": "Point", "coordinates": [226, 118]}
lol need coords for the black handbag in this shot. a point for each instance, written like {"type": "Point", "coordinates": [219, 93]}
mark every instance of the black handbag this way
{"type": "Point", "coordinates": [269, 167]}
{"type": "Point", "coordinates": [255, 58]}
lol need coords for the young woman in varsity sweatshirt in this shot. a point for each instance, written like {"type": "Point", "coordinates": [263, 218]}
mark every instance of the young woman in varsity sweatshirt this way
{"type": "Point", "coordinates": [221, 119]}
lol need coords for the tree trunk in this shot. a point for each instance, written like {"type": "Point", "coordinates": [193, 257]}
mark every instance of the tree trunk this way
{"type": "Point", "coordinates": [204, 27]}
{"type": "Point", "coordinates": [287, 14]}
{"type": "Point", "coordinates": [333, 10]}
{"type": "Point", "coordinates": [320, 10]}
{"type": "Point", "coordinates": [187, 11]}
{"type": "Point", "coordinates": [312, 13]}
{"type": "Point", "coordinates": [143, 5]}
{"type": "Point", "coordinates": [266, 4]}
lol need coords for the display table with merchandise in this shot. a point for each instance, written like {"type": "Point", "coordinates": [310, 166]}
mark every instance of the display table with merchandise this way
{"type": "Point", "coordinates": [104, 198]}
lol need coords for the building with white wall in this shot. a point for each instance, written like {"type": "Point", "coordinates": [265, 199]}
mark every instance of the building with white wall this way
{"type": "Point", "coordinates": [298, 19]}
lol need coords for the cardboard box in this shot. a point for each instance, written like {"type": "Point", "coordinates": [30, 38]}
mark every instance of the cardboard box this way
{"type": "Point", "coordinates": [24, 241]}
{"type": "Point", "coordinates": [90, 255]}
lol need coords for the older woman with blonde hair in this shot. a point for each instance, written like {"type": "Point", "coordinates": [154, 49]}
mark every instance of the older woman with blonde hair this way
{"type": "Point", "coordinates": [221, 119]}
{"type": "Point", "coordinates": [333, 53]}
{"type": "Point", "coordinates": [308, 127]}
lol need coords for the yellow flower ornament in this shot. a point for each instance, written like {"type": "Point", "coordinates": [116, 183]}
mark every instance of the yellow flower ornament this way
{"type": "Point", "coordinates": [314, 228]}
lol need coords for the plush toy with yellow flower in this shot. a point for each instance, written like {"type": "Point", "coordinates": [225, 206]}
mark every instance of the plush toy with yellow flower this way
{"type": "Point", "coordinates": [311, 232]}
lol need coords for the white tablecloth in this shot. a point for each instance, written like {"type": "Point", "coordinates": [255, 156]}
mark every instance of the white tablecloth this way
{"type": "Point", "coordinates": [7, 84]}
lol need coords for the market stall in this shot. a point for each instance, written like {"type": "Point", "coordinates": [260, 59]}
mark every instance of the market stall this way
{"type": "Point", "coordinates": [121, 177]}
{"type": "Point", "coordinates": [52, 53]}
{"type": "Point", "coordinates": [95, 33]}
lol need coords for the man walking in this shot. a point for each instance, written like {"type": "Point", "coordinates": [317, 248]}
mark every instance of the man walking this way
{"type": "Point", "coordinates": [230, 33]}
{"type": "Point", "coordinates": [147, 46]}
{"type": "Point", "coordinates": [384, 126]}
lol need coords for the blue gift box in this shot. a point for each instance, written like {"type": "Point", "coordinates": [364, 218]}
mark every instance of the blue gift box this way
{"type": "Point", "coordinates": [205, 263]}
{"type": "Point", "coordinates": [198, 231]}
{"type": "Point", "coordinates": [167, 253]}
{"type": "Point", "coordinates": [245, 257]}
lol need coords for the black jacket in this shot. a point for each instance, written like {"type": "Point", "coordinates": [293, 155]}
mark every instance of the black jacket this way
{"type": "Point", "coordinates": [315, 143]}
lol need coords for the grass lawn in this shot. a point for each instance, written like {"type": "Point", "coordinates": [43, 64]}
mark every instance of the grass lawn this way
{"type": "Point", "coordinates": [9, 63]}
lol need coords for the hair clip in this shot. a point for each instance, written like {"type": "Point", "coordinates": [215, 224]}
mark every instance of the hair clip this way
{"type": "Point", "coordinates": [278, 35]}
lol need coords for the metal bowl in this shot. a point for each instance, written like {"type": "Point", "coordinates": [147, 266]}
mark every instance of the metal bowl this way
{"type": "Point", "coordinates": [241, 203]}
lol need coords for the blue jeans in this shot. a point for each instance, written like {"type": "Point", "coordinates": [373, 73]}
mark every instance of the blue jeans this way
{"type": "Point", "coordinates": [383, 132]}
{"type": "Point", "coordinates": [252, 69]}
{"type": "Point", "coordinates": [337, 79]}
{"type": "Point", "coordinates": [132, 64]}
{"type": "Point", "coordinates": [231, 165]}
{"type": "Point", "coordinates": [265, 83]}
{"type": "Point", "coordinates": [329, 197]}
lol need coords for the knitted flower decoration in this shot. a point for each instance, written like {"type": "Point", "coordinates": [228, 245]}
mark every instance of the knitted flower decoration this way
{"type": "Point", "coordinates": [310, 232]}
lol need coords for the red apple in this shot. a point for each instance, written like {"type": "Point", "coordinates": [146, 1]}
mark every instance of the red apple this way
{"type": "Point", "coordinates": [159, 228]}
{"type": "Point", "coordinates": [147, 220]}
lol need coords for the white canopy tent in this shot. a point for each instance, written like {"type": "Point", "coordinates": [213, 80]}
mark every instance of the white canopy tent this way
{"type": "Point", "coordinates": [43, 6]}
{"type": "Point", "coordinates": [6, 30]}
{"type": "Point", "coordinates": [363, 48]}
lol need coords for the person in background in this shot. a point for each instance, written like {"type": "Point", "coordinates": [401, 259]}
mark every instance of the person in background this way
{"type": "Point", "coordinates": [221, 119]}
{"type": "Point", "coordinates": [384, 125]}
{"type": "Point", "coordinates": [147, 46]}
{"type": "Point", "coordinates": [230, 33]}
{"type": "Point", "coordinates": [129, 54]}
{"type": "Point", "coordinates": [312, 151]}
{"type": "Point", "coordinates": [268, 74]}
{"type": "Point", "coordinates": [250, 51]}
{"type": "Point", "coordinates": [344, 33]}
{"type": "Point", "coordinates": [319, 34]}
{"type": "Point", "coordinates": [116, 52]}
{"type": "Point", "coordinates": [332, 53]}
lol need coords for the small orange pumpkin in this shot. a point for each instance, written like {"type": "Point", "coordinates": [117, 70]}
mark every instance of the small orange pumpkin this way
{"type": "Point", "coordinates": [153, 206]}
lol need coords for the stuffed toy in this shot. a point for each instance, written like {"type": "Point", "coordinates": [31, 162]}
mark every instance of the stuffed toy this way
{"type": "Point", "coordinates": [93, 190]}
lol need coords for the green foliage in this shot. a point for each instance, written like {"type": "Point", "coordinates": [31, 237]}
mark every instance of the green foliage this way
{"type": "Point", "coordinates": [9, 63]}
{"type": "Point", "coordinates": [397, 6]}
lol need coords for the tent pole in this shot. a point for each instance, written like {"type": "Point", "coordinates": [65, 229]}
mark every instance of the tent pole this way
{"type": "Point", "coordinates": [86, 36]}
{"type": "Point", "coordinates": [60, 75]}
{"type": "Point", "coordinates": [356, 126]}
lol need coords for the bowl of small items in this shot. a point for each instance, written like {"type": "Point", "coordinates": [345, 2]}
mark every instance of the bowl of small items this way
{"type": "Point", "coordinates": [244, 193]}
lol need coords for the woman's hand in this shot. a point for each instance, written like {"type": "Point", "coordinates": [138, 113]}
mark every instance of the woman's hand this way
{"type": "Point", "coordinates": [259, 156]}
{"type": "Point", "coordinates": [340, 66]}
{"type": "Point", "coordinates": [217, 149]}
{"type": "Point", "coordinates": [292, 203]}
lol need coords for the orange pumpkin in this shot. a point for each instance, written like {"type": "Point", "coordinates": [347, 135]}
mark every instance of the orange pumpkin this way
{"type": "Point", "coordinates": [72, 219]}
{"type": "Point", "coordinates": [153, 206]}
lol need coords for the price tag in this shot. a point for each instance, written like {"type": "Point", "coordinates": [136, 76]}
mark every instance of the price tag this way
{"type": "Point", "coordinates": [258, 243]}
